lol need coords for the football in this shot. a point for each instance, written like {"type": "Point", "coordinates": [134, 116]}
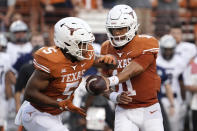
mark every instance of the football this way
{"type": "Point", "coordinates": [95, 84]}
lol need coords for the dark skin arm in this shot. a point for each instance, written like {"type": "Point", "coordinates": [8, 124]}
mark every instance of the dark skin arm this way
{"type": "Point", "coordinates": [105, 62]}
{"type": "Point", "coordinates": [10, 80]}
{"type": "Point", "coordinates": [37, 83]}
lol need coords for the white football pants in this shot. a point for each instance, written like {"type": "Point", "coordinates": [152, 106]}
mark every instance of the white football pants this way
{"type": "Point", "coordinates": [34, 120]}
{"type": "Point", "coordinates": [143, 119]}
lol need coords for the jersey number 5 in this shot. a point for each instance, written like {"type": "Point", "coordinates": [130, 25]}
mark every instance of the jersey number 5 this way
{"type": "Point", "coordinates": [49, 50]}
{"type": "Point", "coordinates": [69, 89]}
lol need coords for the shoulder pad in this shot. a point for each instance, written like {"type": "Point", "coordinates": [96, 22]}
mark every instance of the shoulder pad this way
{"type": "Point", "coordinates": [44, 59]}
{"type": "Point", "coordinates": [145, 44]}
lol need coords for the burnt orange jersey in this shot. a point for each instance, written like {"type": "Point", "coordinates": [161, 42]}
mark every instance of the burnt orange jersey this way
{"type": "Point", "coordinates": [65, 75]}
{"type": "Point", "coordinates": [54, 1]}
{"type": "Point", "coordinates": [142, 49]}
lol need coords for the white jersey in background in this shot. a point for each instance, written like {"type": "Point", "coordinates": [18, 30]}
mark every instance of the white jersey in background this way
{"type": "Point", "coordinates": [173, 69]}
{"type": "Point", "coordinates": [186, 51]}
{"type": "Point", "coordinates": [190, 79]}
{"type": "Point", "coordinates": [4, 67]}
{"type": "Point", "coordinates": [16, 50]}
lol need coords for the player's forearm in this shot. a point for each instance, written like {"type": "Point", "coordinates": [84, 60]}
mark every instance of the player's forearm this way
{"type": "Point", "coordinates": [40, 99]}
{"type": "Point", "coordinates": [17, 100]}
{"type": "Point", "coordinates": [169, 94]}
{"type": "Point", "coordinates": [130, 71]}
{"type": "Point", "coordinates": [105, 61]}
{"type": "Point", "coordinates": [8, 88]}
{"type": "Point", "coordinates": [10, 11]}
{"type": "Point", "coordinates": [192, 88]}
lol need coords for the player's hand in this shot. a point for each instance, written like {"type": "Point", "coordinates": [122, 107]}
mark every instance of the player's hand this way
{"type": "Point", "coordinates": [123, 98]}
{"type": "Point", "coordinates": [67, 105]}
{"type": "Point", "coordinates": [108, 59]}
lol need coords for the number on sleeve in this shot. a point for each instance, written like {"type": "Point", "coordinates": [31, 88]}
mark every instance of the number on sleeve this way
{"type": "Point", "coordinates": [49, 50]}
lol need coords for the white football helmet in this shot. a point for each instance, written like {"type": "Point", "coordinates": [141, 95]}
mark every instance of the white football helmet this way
{"type": "Point", "coordinates": [167, 47]}
{"type": "Point", "coordinates": [121, 16]}
{"type": "Point", "coordinates": [70, 32]}
{"type": "Point", "coordinates": [19, 26]}
{"type": "Point", "coordinates": [3, 40]}
{"type": "Point", "coordinates": [167, 41]}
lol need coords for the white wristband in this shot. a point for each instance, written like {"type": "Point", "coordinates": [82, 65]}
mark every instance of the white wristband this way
{"type": "Point", "coordinates": [113, 80]}
{"type": "Point", "coordinates": [113, 96]}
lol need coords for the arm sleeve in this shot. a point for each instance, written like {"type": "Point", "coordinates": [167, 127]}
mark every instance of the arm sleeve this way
{"type": "Point", "coordinates": [21, 80]}
{"type": "Point", "coordinates": [144, 60]}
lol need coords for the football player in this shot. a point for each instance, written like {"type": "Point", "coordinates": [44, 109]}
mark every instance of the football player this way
{"type": "Point", "coordinates": [59, 70]}
{"type": "Point", "coordinates": [173, 68]}
{"type": "Point", "coordinates": [19, 44]}
{"type": "Point", "coordinates": [135, 79]}
{"type": "Point", "coordinates": [167, 47]}
{"type": "Point", "coordinates": [190, 81]}
{"type": "Point", "coordinates": [5, 91]}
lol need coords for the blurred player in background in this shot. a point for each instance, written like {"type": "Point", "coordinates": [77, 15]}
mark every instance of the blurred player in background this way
{"type": "Point", "coordinates": [18, 46]}
{"type": "Point", "coordinates": [135, 79]}
{"type": "Point", "coordinates": [5, 92]}
{"type": "Point", "coordinates": [190, 81]}
{"type": "Point", "coordinates": [172, 65]}
{"type": "Point", "coordinates": [19, 42]}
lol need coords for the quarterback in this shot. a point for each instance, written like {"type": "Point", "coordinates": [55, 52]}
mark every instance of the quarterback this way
{"type": "Point", "coordinates": [59, 70]}
{"type": "Point", "coordinates": [135, 80]}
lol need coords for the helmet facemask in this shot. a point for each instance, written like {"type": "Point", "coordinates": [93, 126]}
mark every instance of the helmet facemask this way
{"type": "Point", "coordinates": [19, 27]}
{"type": "Point", "coordinates": [80, 50]}
{"type": "Point", "coordinates": [167, 53]}
{"type": "Point", "coordinates": [21, 39]}
{"type": "Point", "coordinates": [119, 40]}
{"type": "Point", "coordinates": [167, 47]}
